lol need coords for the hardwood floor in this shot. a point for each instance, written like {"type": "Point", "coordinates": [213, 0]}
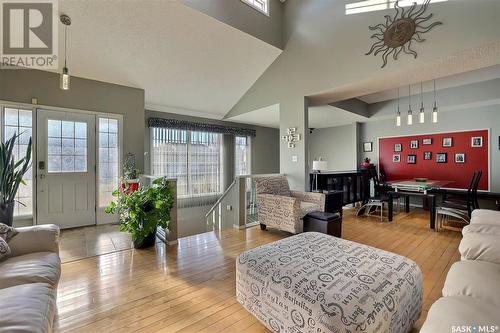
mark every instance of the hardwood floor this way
{"type": "Point", "coordinates": [80, 243]}
{"type": "Point", "coordinates": [190, 287]}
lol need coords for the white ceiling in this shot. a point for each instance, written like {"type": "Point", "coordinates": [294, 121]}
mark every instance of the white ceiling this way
{"type": "Point", "coordinates": [319, 117]}
{"type": "Point", "coordinates": [329, 116]}
{"type": "Point", "coordinates": [181, 58]}
{"type": "Point", "coordinates": [267, 117]}
{"type": "Point", "coordinates": [480, 75]}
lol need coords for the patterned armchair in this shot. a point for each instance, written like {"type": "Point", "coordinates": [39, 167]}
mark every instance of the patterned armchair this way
{"type": "Point", "coordinates": [283, 209]}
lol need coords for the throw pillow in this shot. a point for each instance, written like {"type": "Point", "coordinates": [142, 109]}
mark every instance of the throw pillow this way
{"type": "Point", "coordinates": [6, 232]}
{"type": "Point", "coordinates": [4, 249]}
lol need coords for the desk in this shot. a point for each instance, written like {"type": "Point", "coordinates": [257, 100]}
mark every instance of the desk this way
{"type": "Point", "coordinates": [416, 188]}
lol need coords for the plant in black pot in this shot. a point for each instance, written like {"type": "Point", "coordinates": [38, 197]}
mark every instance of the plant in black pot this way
{"type": "Point", "coordinates": [144, 210]}
{"type": "Point", "coordinates": [11, 176]}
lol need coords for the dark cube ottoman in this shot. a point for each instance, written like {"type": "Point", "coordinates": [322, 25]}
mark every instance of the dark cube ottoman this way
{"type": "Point", "coordinates": [324, 222]}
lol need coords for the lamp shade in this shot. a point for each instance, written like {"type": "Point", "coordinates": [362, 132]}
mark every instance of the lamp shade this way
{"type": "Point", "coordinates": [319, 165]}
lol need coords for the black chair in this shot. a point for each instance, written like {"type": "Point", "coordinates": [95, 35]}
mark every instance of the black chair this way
{"type": "Point", "coordinates": [386, 188]}
{"type": "Point", "coordinates": [470, 202]}
{"type": "Point", "coordinates": [377, 201]}
{"type": "Point", "coordinates": [457, 208]}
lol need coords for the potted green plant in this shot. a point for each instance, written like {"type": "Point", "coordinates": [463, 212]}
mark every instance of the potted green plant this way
{"type": "Point", "coordinates": [130, 180]}
{"type": "Point", "coordinates": [367, 162]}
{"type": "Point", "coordinates": [11, 176]}
{"type": "Point", "coordinates": [144, 210]}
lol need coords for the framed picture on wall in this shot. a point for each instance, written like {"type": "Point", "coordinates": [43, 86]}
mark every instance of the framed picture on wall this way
{"type": "Point", "coordinates": [460, 158]}
{"type": "Point", "coordinates": [427, 155]}
{"type": "Point", "coordinates": [427, 141]}
{"type": "Point", "coordinates": [476, 141]}
{"type": "Point", "coordinates": [396, 158]}
{"type": "Point", "coordinates": [398, 147]}
{"type": "Point", "coordinates": [447, 142]}
{"type": "Point", "coordinates": [414, 144]}
{"type": "Point", "coordinates": [441, 157]}
{"type": "Point", "coordinates": [367, 147]}
{"type": "Point", "coordinates": [412, 159]}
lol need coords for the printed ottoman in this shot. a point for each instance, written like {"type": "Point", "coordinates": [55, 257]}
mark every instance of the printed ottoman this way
{"type": "Point", "coordinates": [313, 282]}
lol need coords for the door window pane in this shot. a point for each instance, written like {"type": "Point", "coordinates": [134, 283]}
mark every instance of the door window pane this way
{"type": "Point", "coordinates": [66, 146]}
{"type": "Point", "coordinates": [19, 121]}
{"type": "Point", "coordinates": [108, 160]}
{"type": "Point", "coordinates": [242, 155]}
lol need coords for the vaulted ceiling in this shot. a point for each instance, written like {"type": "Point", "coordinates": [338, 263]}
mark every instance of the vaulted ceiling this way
{"type": "Point", "coordinates": [183, 59]}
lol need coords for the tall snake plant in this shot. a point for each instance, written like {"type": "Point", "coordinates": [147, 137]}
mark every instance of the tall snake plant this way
{"type": "Point", "coordinates": [12, 172]}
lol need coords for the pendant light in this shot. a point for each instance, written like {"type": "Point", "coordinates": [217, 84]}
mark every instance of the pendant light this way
{"type": "Point", "coordinates": [410, 112]}
{"type": "Point", "coordinates": [435, 108]}
{"type": "Point", "coordinates": [421, 115]}
{"type": "Point", "coordinates": [398, 114]}
{"type": "Point", "coordinates": [65, 78]}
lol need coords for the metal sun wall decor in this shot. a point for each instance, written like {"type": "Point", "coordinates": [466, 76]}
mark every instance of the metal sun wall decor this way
{"type": "Point", "coordinates": [398, 32]}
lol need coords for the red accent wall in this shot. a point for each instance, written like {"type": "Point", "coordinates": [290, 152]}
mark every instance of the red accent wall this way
{"type": "Point", "coordinates": [460, 173]}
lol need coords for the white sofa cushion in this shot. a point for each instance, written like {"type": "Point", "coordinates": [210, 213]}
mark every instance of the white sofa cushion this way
{"type": "Point", "coordinates": [474, 278]}
{"type": "Point", "coordinates": [479, 246]}
{"type": "Point", "coordinates": [30, 268]}
{"type": "Point", "coordinates": [482, 229]}
{"type": "Point", "coordinates": [485, 216]}
{"type": "Point", "coordinates": [460, 311]}
{"type": "Point", "coordinates": [27, 308]}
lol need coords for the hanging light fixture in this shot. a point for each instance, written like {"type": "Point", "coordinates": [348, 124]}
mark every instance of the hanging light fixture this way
{"type": "Point", "coordinates": [410, 112]}
{"type": "Point", "coordinates": [421, 115]}
{"type": "Point", "coordinates": [65, 78]}
{"type": "Point", "coordinates": [398, 114]}
{"type": "Point", "coordinates": [435, 108]}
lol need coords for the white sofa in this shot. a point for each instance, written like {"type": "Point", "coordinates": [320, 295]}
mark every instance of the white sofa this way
{"type": "Point", "coordinates": [28, 280]}
{"type": "Point", "coordinates": [471, 293]}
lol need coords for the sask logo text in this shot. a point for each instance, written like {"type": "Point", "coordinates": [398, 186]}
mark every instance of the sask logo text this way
{"type": "Point", "coordinates": [474, 329]}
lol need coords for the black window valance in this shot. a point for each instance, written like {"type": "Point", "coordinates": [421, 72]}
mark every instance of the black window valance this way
{"type": "Point", "coordinates": [192, 126]}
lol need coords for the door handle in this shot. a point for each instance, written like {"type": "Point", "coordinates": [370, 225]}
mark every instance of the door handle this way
{"type": "Point", "coordinates": [42, 176]}
{"type": "Point", "coordinates": [41, 165]}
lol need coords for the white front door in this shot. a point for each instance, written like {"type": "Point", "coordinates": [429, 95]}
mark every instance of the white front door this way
{"type": "Point", "coordinates": [66, 168]}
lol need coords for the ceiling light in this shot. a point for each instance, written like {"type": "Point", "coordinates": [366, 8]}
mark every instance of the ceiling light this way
{"type": "Point", "coordinates": [421, 115]}
{"type": "Point", "coordinates": [410, 112]}
{"type": "Point", "coordinates": [435, 108]}
{"type": "Point", "coordinates": [398, 114]}
{"type": "Point", "coordinates": [65, 78]}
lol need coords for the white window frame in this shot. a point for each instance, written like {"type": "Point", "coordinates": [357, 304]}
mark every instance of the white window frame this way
{"type": "Point", "coordinates": [189, 175]}
{"type": "Point", "coordinates": [23, 106]}
{"type": "Point", "coordinates": [101, 217]}
{"type": "Point", "coordinates": [365, 6]}
{"type": "Point", "coordinates": [248, 153]}
{"type": "Point", "coordinates": [252, 4]}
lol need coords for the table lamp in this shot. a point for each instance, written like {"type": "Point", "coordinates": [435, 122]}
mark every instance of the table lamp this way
{"type": "Point", "coordinates": [318, 166]}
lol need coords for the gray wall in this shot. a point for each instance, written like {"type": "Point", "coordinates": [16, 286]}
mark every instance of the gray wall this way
{"type": "Point", "coordinates": [336, 145]}
{"type": "Point", "coordinates": [264, 147]}
{"type": "Point", "coordinates": [458, 120]}
{"type": "Point", "coordinates": [240, 16]}
{"type": "Point", "coordinates": [21, 85]}
{"type": "Point", "coordinates": [324, 53]}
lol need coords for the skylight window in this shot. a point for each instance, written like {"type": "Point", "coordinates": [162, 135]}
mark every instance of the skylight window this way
{"type": "Point", "coordinates": [261, 5]}
{"type": "Point", "coordinates": [374, 5]}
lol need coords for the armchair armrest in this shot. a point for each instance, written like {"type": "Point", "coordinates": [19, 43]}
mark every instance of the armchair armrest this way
{"type": "Point", "coordinates": [280, 212]}
{"type": "Point", "coordinates": [40, 238]}
{"type": "Point", "coordinates": [313, 197]}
